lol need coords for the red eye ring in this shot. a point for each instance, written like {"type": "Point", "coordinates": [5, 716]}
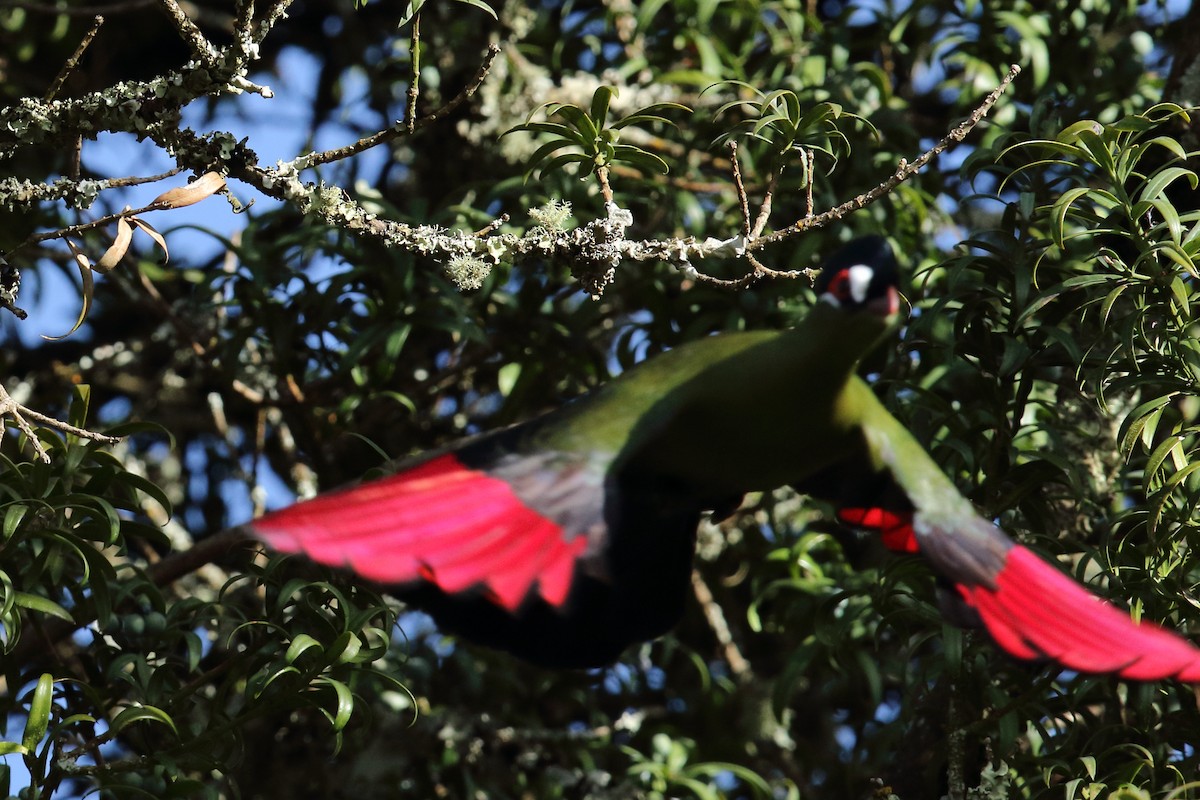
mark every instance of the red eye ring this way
{"type": "Point", "coordinates": [838, 284]}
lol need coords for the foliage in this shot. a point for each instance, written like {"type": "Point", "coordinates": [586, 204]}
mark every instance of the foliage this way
{"type": "Point", "coordinates": [590, 133]}
{"type": "Point", "coordinates": [1049, 362]}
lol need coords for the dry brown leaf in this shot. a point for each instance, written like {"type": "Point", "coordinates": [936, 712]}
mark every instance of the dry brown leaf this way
{"type": "Point", "coordinates": [148, 229]}
{"type": "Point", "coordinates": [116, 251]}
{"type": "Point", "coordinates": [85, 272]}
{"type": "Point", "coordinates": [206, 185]}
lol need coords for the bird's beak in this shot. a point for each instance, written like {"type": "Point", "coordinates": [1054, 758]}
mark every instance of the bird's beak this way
{"type": "Point", "coordinates": [886, 306]}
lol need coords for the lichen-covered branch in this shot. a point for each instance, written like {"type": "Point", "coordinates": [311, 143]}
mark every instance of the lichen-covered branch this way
{"type": "Point", "coordinates": [593, 251]}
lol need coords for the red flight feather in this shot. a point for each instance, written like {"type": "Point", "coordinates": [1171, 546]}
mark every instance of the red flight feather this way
{"type": "Point", "coordinates": [440, 522]}
{"type": "Point", "coordinates": [895, 527]}
{"type": "Point", "coordinates": [1035, 610]}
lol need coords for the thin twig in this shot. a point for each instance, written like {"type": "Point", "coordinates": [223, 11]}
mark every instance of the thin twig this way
{"type": "Point", "coordinates": [758, 272]}
{"type": "Point", "coordinates": [764, 211]}
{"type": "Point", "coordinates": [17, 412]}
{"type": "Point", "coordinates": [414, 80]}
{"type": "Point", "coordinates": [788, 274]}
{"type": "Point", "coordinates": [187, 30]}
{"type": "Point", "coordinates": [743, 201]}
{"type": "Point", "coordinates": [273, 14]}
{"type": "Point", "coordinates": [367, 142]}
{"type": "Point", "coordinates": [75, 230]}
{"type": "Point", "coordinates": [605, 188]}
{"type": "Point", "coordinates": [17, 311]}
{"type": "Point", "coordinates": [73, 61]}
{"type": "Point", "coordinates": [12, 409]}
{"type": "Point", "coordinates": [810, 163]}
{"type": "Point", "coordinates": [65, 427]}
{"type": "Point", "coordinates": [492, 226]}
{"type": "Point", "coordinates": [904, 171]}
{"type": "Point", "coordinates": [738, 664]}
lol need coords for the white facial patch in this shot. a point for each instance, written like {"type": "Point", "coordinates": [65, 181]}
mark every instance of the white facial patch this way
{"type": "Point", "coordinates": [859, 282]}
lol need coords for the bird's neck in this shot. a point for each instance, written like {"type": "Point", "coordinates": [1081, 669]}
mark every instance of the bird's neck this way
{"type": "Point", "coordinates": [750, 402]}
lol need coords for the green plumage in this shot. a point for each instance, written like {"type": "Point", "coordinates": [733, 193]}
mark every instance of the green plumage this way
{"type": "Point", "coordinates": [730, 413]}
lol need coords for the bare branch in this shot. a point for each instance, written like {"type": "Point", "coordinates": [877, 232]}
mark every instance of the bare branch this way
{"type": "Point", "coordinates": [73, 61]}
{"type": "Point", "coordinates": [17, 413]}
{"type": "Point", "coordinates": [738, 664]}
{"type": "Point", "coordinates": [414, 80]}
{"type": "Point", "coordinates": [10, 408]}
{"type": "Point", "coordinates": [904, 171]}
{"type": "Point", "coordinates": [202, 49]}
{"type": "Point", "coordinates": [75, 230]}
{"type": "Point", "coordinates": [492, 226]}
{"type": "Point", "coordinates": [396, 131]}
{"type": "Point", "coordinates": [743, 201]}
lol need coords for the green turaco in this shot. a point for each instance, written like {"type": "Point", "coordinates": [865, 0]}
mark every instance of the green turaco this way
{"type": "Point", "coordinates": [570, 537]}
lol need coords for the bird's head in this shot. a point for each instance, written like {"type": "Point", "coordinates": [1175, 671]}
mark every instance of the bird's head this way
{"type": "Point", "coordinates": [863, 275]}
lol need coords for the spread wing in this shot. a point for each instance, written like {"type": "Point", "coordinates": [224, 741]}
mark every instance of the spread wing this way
{"type": "Point", "coordinates": [543, 554]}
{"type": "Point", "coordinates": [1030, 607]}
{"type": "Point", "coordinates": [515, 529]}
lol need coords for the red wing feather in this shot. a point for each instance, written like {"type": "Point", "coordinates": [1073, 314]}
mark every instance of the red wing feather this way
{"type": "Point", "coordinates": [1035, 610]}
{"type": "Point", "coordinates": [441, 522]}
{"type": "Point", "coordinates": [895, 527]}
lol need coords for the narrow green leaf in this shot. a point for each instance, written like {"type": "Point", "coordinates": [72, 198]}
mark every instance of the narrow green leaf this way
{"type": "Point", "coordinates": [507, 377]}
{"type": "Point", "coordinates": [40, 706]}
{"type": "Point", "coordinates": [42, 605]}
{"type": "Point", "coordinates": [1180, 298]}
{"type": "Point", "coordinates": [545, 150]}
{"type": "Point", "coordinates": [587, 129]}
{"type": "Point", "coordinates": [601, 98]}
{"type": "Point", "coordinates": [640, 158]}
{"type": "Point", "coordinates": [1072, 132]}
{"type": "Point", "coordinates": [565, 132]}
{"type": "Point", "coordinates": [1061, 207]}
{"type": "Point", "coordinates": [141, 713]}
{"type": "Point", "coordinates": [558, 162]}
{"type": "Point", "coordinates": [1170, 218]}
{"type": "Point", "coordinates": [12, 518]}
{"type": "Point", "coordinates": [1136, 421]}
{"type": "Point", "coordinates": [345, 702]}
{"type": "Point", "coordinates": [1164, 178]}
{"type": "Point", "coordinates": [1160, 453]}
{"type": "Point", "coordinates": [482, 6]}
{"type": "Point", "coordinates": [410, 11]}
{"type": "Point", "coordinates": [300, 645]}
{"type": "Point", "coordinates": [81, 395]}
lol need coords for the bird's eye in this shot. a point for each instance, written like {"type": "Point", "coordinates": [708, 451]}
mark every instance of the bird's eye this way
{"type": "Point", "coordinates": [839, 286]}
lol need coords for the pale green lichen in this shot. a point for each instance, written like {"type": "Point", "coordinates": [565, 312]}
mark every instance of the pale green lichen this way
{"type": "Point", "coordinates": [467, 272]}
{"type": "Point", "coordinates": [553, 215]}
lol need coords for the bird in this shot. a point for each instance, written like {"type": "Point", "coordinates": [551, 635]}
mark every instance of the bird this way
{"type": "Point", "coordinates": [568, 538]}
